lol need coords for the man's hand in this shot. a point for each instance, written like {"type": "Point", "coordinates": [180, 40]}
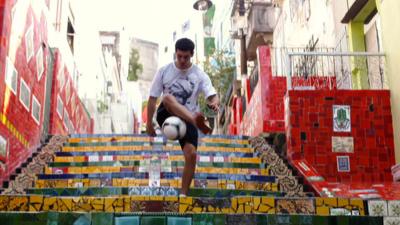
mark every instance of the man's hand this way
{"type": "Point", "coordinates": [213, 103]}
{"type": "Point", "coordinates": [150, 130]}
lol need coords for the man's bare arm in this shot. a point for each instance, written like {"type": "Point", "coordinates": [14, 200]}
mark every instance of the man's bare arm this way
{"type": "Point", "coordinates": [213, 102]}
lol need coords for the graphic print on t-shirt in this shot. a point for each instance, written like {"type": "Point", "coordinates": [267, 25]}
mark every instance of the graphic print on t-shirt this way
{"type": "Point", "coordinates": [182, 89]}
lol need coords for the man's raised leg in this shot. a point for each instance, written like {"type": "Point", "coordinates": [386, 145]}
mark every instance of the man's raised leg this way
{"type": "Point", "coordinates": [175, 108]}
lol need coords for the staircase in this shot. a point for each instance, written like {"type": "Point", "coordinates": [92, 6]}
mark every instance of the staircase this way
{"type": "Point", "coordinates": [134, 179]}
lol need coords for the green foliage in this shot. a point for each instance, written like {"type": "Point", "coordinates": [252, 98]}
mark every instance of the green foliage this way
{"type": "Point", "coordinates": [101, 106]}
{"type": "Point", "coordinates": [220, 67]}
{"type": "Point", "coordinates": [135, 68]}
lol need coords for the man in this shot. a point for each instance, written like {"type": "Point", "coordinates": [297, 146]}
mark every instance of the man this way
{"type": "Point", "coordinates": [181, 82]}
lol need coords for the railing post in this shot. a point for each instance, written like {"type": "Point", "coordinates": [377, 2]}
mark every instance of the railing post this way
{"type": "Point", "coordinates": [289, 71]}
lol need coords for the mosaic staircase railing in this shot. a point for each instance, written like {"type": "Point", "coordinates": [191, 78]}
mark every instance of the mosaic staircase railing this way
{"type": "Point", "coordinates": [223, 187]}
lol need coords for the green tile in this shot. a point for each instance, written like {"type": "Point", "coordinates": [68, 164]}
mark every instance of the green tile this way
{"type": "Point", "coordinates": [20, 218]}
{"type": "Point", "coordinates": [286, 220]}
{"type": "Point", "coordinates": [153, 220]}
{"type": "Point", "coordinates": [102, 219]}
{"type": "Point", "coordinates": [322, 220]}
{"type": "Point", "coordinates": [179, 220]}
{"type": "Point", "coordinates": [306, 220]}
{"type": "Point", "coordinates": [68, 218]}
{"type": "Point", "coordinates": [127, 220]}
{"type": "Point", "coordinates": [343, 220]}
{"type": "Point", "coordinates": [209, 219]}
{"type": "Point", "coordinates": [370, 220]}
{"type": "Point", "coordinates": [83, 220]}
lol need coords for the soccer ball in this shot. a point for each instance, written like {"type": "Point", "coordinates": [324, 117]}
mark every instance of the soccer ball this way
{"type": "Point", "coordinates": [174, 128]}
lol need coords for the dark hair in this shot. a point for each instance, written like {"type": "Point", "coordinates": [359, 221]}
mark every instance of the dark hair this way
{"type": "Point", "coordinates": [184, 44]}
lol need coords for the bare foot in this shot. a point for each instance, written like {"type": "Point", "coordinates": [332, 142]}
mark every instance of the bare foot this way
{"type": "Point", "coordinates": [201, 123]}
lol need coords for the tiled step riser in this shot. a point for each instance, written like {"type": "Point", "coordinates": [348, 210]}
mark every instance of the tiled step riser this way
{"type": "Point", "coordinates": [113, 158]}
{"type": "Point", "coordinates": [195, 219]}
{"type": "Point", "coordinates": [163, 175]}
{"type": "Point", "coordinates": [152, 145]}
{"type": "Point", "coordinates": [147, 191]}
{"type": "Point", "coordinates": [151, 148]}
{"type": "Point", "coordinates": [236, 205]}
{"type": "Point", "coordinates": [172, 163]}
{"type": "Point", "coordinates": [144, 137]}
{"type": "Point", "coordinates": [165, 168]}
{"type": "Point", "coordinates": [177, 183]}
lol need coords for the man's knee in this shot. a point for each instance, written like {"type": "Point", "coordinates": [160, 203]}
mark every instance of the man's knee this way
{"type": "Point", "coordinates": [190, 153]}
{"type": "Point", "coordinates": [192, 156]}
{"type": "Point", "coordinates": [168, 99]}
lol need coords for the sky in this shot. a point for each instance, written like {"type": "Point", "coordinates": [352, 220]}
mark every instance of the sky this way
{"type": "Point", "coordinates": [152, 20]}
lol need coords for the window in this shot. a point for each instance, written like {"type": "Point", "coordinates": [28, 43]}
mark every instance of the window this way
{"type": "Point", "coordinates": [39, 63]}
{"type": "Point", "coordinates": [25, 95]}
{"type": "Point", "coordinates": [29, 43]}
{"type": "Point", "coordinates": [36, 109]}
{"type": "Point", "coordinates": [67, 92]}
{"type": "Point", "coordinates": [60, 107]}
{"type": "Point", "coordinates": [61, 78]}
{"type": "Point", "coordinates": [70, 35]}
{"type": "Point", "coordinates": [11, 77]}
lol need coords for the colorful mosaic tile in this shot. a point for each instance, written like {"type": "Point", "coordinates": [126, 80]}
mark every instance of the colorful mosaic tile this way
{"type": "Point", "coordinates": [377, 208]}
{"type": "Point", "coordinates": [394, 208]}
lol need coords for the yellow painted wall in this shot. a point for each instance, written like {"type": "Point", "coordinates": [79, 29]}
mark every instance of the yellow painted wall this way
{"type": "Point", "coordinates": [390, 17]}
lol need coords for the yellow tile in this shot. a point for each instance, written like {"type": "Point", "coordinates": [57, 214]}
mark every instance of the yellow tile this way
{"type": "Point", "coordinates": [256, 202]}
{"type": "Point", "coordinates": [222, 184]}
{"type": "Point", "coordinates": [38, 184]}
{"type": "Point", "coordinates": [265, 172]}
{"type": "Point", "coordinates": [65, 204]}
{"type": "Point", "coordinates": [82, 204]}
{"type": "Point", "coordinates": [109, 204]}
{"type": "Point", "coordinates": [138, 198]}
{"type": "Point", "coordinates": [127, 203]}
{"type": "Point", "coordinates": [98, 204]}
{"type": "Point", "coordinates": [94, 183]}
{"type": "Point", "coordinates": [343, 202]}
{"type": "Point", "coordinates": [50, 204]}
{"type": "Point", "coordinates": [35, 203]}
{"type": "Point", "coordinates": [183, 208]}
{"type": "Point", "coordinates": [171, 198]}
{"type": "Point", "coordinates": [197, 210]}
{"type": "Point", "coordinates": [18, 203]}
{"type": "Point", "coordinates": [243, 200]}
{"type": "Point", "coordinates": [156, 198]}
{"type": "Point", "coordinates": [226, 210]}
{"type": "Point", "coordinates": [240, 209]}
{"type": "Point", "coordinates": [234, 204]}
{"type": "Point", "coordinates": [248, 208]}
{"type": "Point", "coordinates": [358, 204]}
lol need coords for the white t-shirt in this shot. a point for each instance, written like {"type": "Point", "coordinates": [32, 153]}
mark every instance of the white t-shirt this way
{"type": "Point", "coordinates": [185, 85]}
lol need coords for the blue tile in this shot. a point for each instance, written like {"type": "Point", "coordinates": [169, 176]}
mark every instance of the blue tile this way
{"type": "Point", "coordinates": [127, 220]}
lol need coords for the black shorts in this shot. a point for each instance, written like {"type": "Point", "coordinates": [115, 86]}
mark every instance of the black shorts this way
{"type": "Point", "coordinates": [191, 135]}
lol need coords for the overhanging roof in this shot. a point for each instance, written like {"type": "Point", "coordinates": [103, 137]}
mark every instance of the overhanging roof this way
{"type": "Point", "coordinates": [361, 11]}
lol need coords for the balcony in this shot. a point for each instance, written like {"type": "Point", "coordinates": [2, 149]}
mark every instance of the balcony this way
{"type": "Point", "coordinates": [261, 24]}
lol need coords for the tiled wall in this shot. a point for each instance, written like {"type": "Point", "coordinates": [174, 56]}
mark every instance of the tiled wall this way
{"type": "Point", "coordinates": [68, 114]}
{"type": "Point", "coordinates": [265, 110]}
{"type": "Point", "coordinates": [23, 63]}
{"type": "Point", "coordinates": [347, 136]}
{"type": "Point", "coordinates": [24, 58]}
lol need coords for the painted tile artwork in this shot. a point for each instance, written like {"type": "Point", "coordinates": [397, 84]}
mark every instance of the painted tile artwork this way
{"type": "Point", "coordinates": [343, 144]}
{"type": "Point", "coordinates": [341, 118]}
{"type": "Point", "coordinates": [343, 164]}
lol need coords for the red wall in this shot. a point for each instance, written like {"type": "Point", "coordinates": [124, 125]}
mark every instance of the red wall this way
{"type": "Point", "coordinates": [18, 127]}
{"type": "Point", "coordinates": [72, 108]}
{"type": "Point", "coordinates": [20, 133]}
{"type": "Point", "coordinates": [267, 102]}
{"type": "Point", "coordinates": [310, 115]}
